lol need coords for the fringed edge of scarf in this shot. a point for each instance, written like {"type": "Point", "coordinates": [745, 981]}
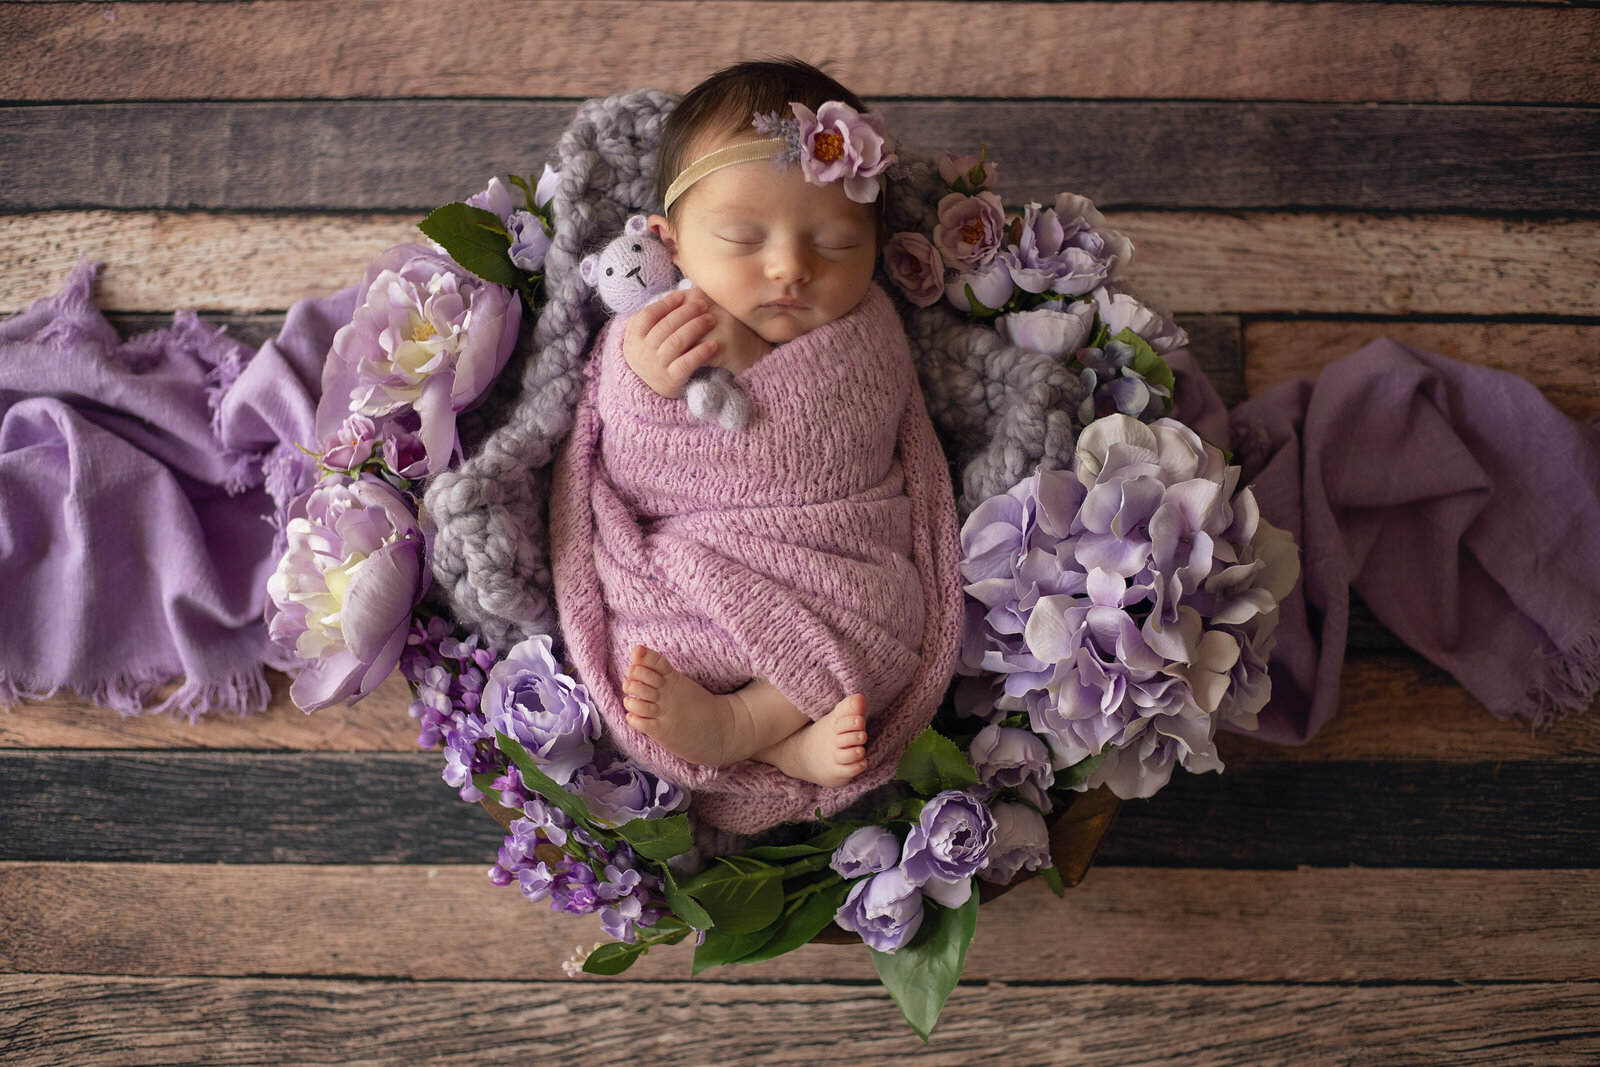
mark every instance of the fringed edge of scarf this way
{"type": "Point", "coordinates": [1566, 682]}
{"type": "Point", "coordinates": [226, 358]}
{"type": "Point", "coordinates": [136, 693]}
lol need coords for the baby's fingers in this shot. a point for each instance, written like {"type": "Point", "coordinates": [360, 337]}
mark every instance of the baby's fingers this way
{"type": "Point", "coordinates": [681, 369]}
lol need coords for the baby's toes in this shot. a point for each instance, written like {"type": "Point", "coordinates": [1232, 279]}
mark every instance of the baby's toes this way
{"type": "Point", "coordinates": [651, 660]}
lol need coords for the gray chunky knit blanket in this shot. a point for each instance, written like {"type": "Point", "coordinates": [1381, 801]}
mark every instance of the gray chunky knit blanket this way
{"type": "Point", "coordinates": [999, 410]}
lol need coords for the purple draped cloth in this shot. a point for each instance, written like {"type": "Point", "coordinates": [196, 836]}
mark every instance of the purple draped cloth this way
{"type": "Point", "coordinates": [1455, 500]}
{"type": "Point", "coordinates": [135, 532]}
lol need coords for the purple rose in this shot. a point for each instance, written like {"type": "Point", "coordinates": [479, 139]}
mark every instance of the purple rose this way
{"type": "Point", "coordinates": [622, 790]}
{"type": "Point", "coordinates": [946, 847]}
{"type": "Point", "coordinates": [967, 174]}
{"type": "Point", "coordinates": [869, 850]}
{"type": "Point", "coordinates": [348, 447]}
{"type": "Point", "coordinates": [427, 337]}
{"type": "Point", "coordinates": [1052, 332]}
{"type": "Point", "coordinates": [529, 699]}
{"type": "Point", "coordinates": [991, 286]}
{"type": "Point", "coordinates": [342, 594]}
{"type": "Point", "coordinates": [885, 910]}
{"type": "Point", "coordinates": [970, 230]}
{"type": "Point", "coordinates": [529, 241]}
{"type": "Point", "coordinates": [914, 265]}
{"type": "Point", "coordinates": [1008, 758]}
{"type": "Point", "coordinates": [839, 143]}
{"type": "Point", "coordinates": [1021, 839]}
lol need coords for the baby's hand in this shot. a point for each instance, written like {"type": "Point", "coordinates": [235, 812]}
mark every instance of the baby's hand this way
{"type": "Point", "coordinates": [738, 346]}
{"type": "Point", "coordinates": [667, 341]}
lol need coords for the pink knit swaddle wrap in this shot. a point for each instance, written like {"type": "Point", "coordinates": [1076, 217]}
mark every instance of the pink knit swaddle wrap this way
{"type": "Point", "coordinates": [816, 548]}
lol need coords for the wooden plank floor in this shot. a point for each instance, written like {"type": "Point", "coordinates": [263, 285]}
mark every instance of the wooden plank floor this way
{"type": "Point", "coordinates": [1420, 885]}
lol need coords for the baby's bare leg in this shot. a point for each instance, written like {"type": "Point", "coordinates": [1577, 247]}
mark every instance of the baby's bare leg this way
{"type": "Point", "coordinates": [755, 722]}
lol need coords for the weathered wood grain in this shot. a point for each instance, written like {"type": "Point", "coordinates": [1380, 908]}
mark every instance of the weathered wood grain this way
{"type": "Point", "coordinates": [1258, 51]}
{"type": "Point", "coordinates": [1119, 924]}
{"type": "Point", "coordinates": [378, 724]}
{"type": "Point", "coordinates": [369, 808]}
{"type": "Point", "coordinates": [1561, 359]}
{"type": "Point", "coordinates": [236, 1021]}
{"type": "Point", "coordinates": [361, 155]}
{"type": "Point", "coordinates": [1192, 263]}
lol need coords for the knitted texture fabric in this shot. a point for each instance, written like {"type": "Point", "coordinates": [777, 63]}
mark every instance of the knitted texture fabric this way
{"type": "Point", "coordinates": [999, 411]}
{"type": "Point", "coordinates": [816, 550]}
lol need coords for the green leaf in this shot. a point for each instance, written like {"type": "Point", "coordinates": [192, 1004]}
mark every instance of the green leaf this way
{"type": "Point", "coordinates": [721, 947]}
{"type": "Point", "coordinates": [475, 239]}
{"type": "Point", "coordinates": [739, 894]}
{"type": "Point", "coordinates": [613, 958]}
{"type": "Point", "coordinates": [802, 921]}
{"type": "Point", "coordinates": [1146, 362]}
{"type": "Point", "coordinates": [658, 839]}
{"type": "Point", "coordinates": [779, 853]}
{"type": "Point", "coordinates": [545, 786]}
{"type": "Point", "coordinates": [922, 974]}
{"type": "Point", "coordinates": [1079, 772]}
{"type": "Point", "coordinates": [485, 784]}
{"type": "Point", "coordinates": [979, 310]}
{"type": "Point", "coordinates": [527, 190]}
{"type": "Point", "coordinates": [682, 904]}
{"type": "Point", "coordinates": [1052, 878]}
{"type": "Point", "coordinates": [934, 763]}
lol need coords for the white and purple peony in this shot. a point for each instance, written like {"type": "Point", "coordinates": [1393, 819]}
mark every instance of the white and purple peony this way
{"type": "Point", "coordinates": [342, 594]}
{"type": "Point", "coordinates": [1128, 602]}
{"type": "Point", "coordinates": [427, 337]}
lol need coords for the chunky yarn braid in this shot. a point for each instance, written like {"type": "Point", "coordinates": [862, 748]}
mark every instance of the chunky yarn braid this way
{"type": "Point", "coordinates": [1000, 411]}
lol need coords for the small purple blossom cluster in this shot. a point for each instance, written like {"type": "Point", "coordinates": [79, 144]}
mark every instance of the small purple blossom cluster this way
{"type": "Point", "coordinates": [1049, 276]}
{"type": "Point", "coordinates": [1124, 606]}
{"type": "Point", "coordinates": [448, 676]}
{"type": "Point", "coordinates": [550, 858]}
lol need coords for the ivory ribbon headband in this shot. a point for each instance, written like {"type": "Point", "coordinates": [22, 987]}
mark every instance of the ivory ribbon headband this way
{"type": "Point", "coordinates": [769, 148]}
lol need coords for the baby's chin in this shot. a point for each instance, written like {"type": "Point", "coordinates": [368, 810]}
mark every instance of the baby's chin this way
{"type": "Point", "coordinates": [777, 329]}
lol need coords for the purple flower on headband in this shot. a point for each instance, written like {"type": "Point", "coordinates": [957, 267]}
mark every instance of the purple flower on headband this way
{"type": "Point", "coordinates": [915, 266]}
{"type": "Point", "coordinates": [839, 143]}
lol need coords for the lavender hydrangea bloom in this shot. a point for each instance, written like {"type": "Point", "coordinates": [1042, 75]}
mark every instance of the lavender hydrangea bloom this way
{"type": "Point", "coordinates": [950, 841]}
{"type": "Point", "coordinates": [1008, 758]}
{"type": "Point", "coordinates": [1112, 386]}
{"type": "Point", "coordinates": [427, 337]}
{"type": "Point", "coordinates": [1120, 597]}
{"type": "Point", "coordinates": [529, 699]}
{"type": "Point", "coordinates": [620, 790]}
{"type": "Point", "coordinates": [886, 910]}
{"type": "Point", "coordinates": [1021, 840]}
{"type": "Point", "coordinates": [342, 595]}
{"type": "Point", "coordinates": [868, 850]}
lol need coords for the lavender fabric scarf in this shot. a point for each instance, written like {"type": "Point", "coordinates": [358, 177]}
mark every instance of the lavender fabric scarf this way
{"type": "Point", "coordinates": [135, 539]}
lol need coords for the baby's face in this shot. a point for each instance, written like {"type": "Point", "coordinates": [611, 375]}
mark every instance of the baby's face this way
{"type": "Point", "coordinates": [779, 254]}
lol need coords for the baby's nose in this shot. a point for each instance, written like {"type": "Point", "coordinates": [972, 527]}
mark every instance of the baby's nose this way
{"type": "Point", "coordinates": [788, 263]}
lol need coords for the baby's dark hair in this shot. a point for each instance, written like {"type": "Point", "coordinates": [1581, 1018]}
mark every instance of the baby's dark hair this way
{"type": "Point", "coordinates": [726, 102]}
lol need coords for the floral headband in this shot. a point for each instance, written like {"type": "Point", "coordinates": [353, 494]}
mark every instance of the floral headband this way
{"type": "Point", "coordinates": [834, 143]}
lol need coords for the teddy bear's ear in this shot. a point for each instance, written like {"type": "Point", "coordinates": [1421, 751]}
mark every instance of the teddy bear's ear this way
{"type": "Point", "coordinates": [638, 224]}
{"type": "Point", "coordinates": [589, 269]}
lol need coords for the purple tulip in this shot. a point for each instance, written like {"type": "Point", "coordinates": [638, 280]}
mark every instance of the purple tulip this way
{"type": "Point", "coordinates": [545, 189]}
{"type": "Point", "coordinates": [885, 910]}
{"type": "Point", "coordinates": [622, 790]}
{"type": "Point", "coordinates": [868, 850]}
{"type": "Point", "coordinates": [970, 230]}
{"type": "Point", "coordinates": [529, 241]}
{"type": "Point", "coordinates": [1053, 332]}
{"type": "Point", "coordinates": [495, 198]}
{"type": "Point", "coordinates": [1021, 840]}
{"type": "Point", "coordinates": [914, 265]}
{"type": "Point", "coordinates": [839, 143]}
{"type": "Point", "coordinates": [530, 700]}
{"type": "Point", "coordinates": [342, 595]}
{"type": "Point", "coordinates": [950, 841]}
{"type": "Point", "coordinates": [427, 338]}
{"type": "Point", "coordinates": [1008, 758]}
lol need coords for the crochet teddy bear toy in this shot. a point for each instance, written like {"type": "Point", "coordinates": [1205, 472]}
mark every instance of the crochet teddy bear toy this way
{"type": "Point", "coordinates": [636, 269]}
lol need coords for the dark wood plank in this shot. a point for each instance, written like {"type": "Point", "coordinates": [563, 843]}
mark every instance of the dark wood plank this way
{"type": "Point", "coordinates": [362, 155]}
{"type": "Point", "coordinates": [393, 808]}
{"type": "Point", "coordinates": [1119, 924]}
{"type": "Point", "coordinates": [1193, 263]}
{"type": "Point", "coordinates": [1349, 52]}
{"type": "Point", "coordinates": [238, 1021]}
{"type": "Point", "coordinates": [1563, 359]}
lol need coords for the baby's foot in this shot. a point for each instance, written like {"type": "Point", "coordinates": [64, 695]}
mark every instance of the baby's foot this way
{"type": "Point", "coordinates": [828, 752]}
{"type": "Point", "coordinates": [677, 712]}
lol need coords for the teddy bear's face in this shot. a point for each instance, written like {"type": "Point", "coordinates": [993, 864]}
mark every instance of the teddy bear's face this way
{"type": "Point", "coordinates": [632, 270]}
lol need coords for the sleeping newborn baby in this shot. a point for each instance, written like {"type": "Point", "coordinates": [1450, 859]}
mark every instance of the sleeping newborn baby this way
{"type": "Point", "coordinates": [765, 614]}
